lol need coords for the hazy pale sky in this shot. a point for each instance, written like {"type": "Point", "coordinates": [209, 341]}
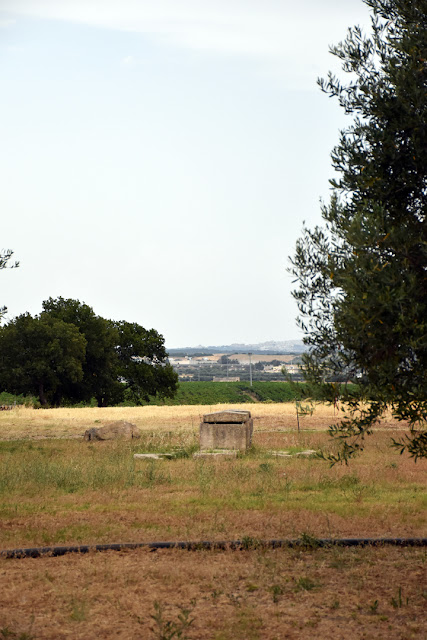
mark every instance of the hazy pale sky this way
{"type": "Point", "coordinates": [158, 158]}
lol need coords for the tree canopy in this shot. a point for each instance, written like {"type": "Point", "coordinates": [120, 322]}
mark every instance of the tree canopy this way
{"type": "Point", "coordinates": [40, 356]}
{"type": "Point", "coordinates": [362, 276]}
{"type": "Point", "coordinates": [68, 353]}
{"type": "Point", "coordinates": [100, 378]}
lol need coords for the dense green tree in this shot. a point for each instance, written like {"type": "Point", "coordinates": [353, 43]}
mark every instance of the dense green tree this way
{"type": "Point", "coordinates": [120, 357]}
{"type": "Point", "coordinates": [224, 359]}
{"type": "Point", "coordinates": [362, 277]}
{"type": "Point", "coordinates": [99, 368]}
{"type": "Point", "coordinates": [70, 353]}
{"type": "Point", "coordinates": [39, 356]}
{"type": "Point", "coordinates": [143, 365]}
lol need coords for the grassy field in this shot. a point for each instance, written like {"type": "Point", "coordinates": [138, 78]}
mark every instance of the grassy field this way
{"type": "Point", "coordinates": [57, 489]}
{"type": "Point", "coordinates": [233, 392]}
{"type": "Point", "coordinates": [206, 393]}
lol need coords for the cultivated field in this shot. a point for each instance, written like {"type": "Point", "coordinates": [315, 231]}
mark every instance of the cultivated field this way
{"type": "Point", "coordinates": [57, 489]}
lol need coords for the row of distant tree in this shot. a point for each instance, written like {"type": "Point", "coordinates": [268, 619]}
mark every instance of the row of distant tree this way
{"type": "Point", "coordinates": [67, 353]}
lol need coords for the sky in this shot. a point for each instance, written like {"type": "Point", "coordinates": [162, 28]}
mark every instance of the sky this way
{"type": "Point", "coordinates": [158, 157]}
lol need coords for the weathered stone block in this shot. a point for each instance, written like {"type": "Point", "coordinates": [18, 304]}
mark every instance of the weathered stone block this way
{"type": "Point", "coordinates": [226, 436]}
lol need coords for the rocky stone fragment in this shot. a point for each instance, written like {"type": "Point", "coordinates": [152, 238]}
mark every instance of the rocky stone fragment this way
{"type": "Point", "coordinates": [118, 430]}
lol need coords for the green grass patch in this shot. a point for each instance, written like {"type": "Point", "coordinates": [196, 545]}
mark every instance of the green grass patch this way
{"type": "Point", "coordinates": [59, 491]}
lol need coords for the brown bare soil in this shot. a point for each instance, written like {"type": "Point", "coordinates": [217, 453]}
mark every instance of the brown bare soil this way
{"type": "Point", "coordinates": [247, 595]}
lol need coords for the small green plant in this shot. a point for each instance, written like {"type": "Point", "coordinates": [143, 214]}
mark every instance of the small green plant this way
{"type": "Point", "coordinates": [397, 603]}
{"type": "Point", "coordinates": [306, 584]}
{"type": "Point", "coordinates": [303, 410]}
{"type": "Point", "coordinates": [248, 543]}
{"type": "Point", "coordinates": [206, 476]}
{"type": "Point", "coordinates": [6, 633]}
{"type": "Point", "coordinates": [373, 607]}
{"type": "Point", "coordinates": [335, 604]}
{"type": "Point", "coordinates": [234, 599]}
{"type": "Point", "coordinates": [309, 542]}
{"type": "Point", "coordinates": [79, 610]}
{"type": "Point", "coordinates": [276, 591]}
{"type": "Point", "coordinates": [154, 476]}
{"type": "Point", "coordinates": [164, 629]}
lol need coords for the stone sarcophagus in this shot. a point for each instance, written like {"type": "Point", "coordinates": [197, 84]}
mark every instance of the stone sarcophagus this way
{"type": "Point", "coordinates": [226, 430]}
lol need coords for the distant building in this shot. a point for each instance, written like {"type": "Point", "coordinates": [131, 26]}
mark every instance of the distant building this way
{"type": "Point", "coordinates": [293, 369]}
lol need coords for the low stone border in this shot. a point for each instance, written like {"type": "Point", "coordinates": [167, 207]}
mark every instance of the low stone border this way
{"type": "Point", "coordinates": [154, 456]}
{"type": "Point", "coordinates": [309, 453]}
{"type": "Point", "coordinates": [223, 453]}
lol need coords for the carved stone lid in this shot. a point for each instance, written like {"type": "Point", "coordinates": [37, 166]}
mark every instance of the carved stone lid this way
{"type": "Point", "coordinates": [227, 417]}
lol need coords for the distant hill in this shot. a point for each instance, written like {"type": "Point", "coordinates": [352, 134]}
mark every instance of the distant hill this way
{"type": "Point", "coordinates": [271, 347]}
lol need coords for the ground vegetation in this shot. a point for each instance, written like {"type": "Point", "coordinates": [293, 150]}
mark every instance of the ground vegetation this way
{"type": "Point", "coordinates": [56, 489]}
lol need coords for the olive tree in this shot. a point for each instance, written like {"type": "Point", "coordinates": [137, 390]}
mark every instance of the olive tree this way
{"type": "Point", "coordinates": [362, 276]}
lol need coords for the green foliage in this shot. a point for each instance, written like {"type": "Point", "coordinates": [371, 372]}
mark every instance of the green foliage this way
{"type": "Point", "coordinates": [68, 354]}
{"type": "Point", "coordinates": [39, 356]}
{"type": "Point", "coordinates": [276, 590]}
{"type": "Point", "coordinates": [374, 606]}
{"type": "Point", "coordinates": [100, 357]}
{"type": "Point", "coordinates": [305, 584]}
{"type": "Point", "coordinates": [12, 399]}
{"type": "Point", "coordinates": [224, 359]}
{"type": "Point", "coordinates": [143, 364]}
{"type": "Point", "coordinates": [398, 602]}
{"type": "Point", "coordinates": [362, 285]}
{"type": "Point", "coordinates": [308, 541]}
{"type": "Point", "coordinates": [164, 629]}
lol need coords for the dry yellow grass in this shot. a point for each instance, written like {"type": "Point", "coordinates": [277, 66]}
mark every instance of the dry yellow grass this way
{"type": "Point", "coordinates": [24, 422]}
